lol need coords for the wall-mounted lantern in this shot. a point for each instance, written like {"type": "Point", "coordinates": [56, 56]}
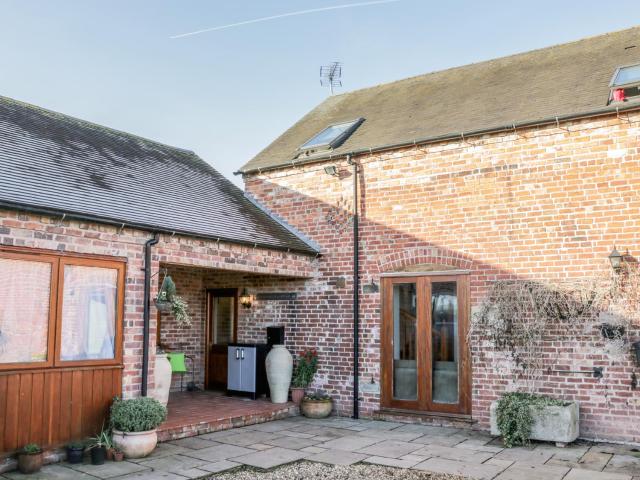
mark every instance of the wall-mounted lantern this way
{"type": "Point", "coordinates": [331, 170]}
{"type": "Point", "coordinates": [616, 259]}
{"type": "Point", "coordinates": [245, 298]}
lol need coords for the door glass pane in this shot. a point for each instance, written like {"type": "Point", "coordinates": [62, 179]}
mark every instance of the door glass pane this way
{"type": "Point", "coordinates": [444, 332]}
{"type": "Point", "coordinates": [24, 310]}
{"type": "Point", "coordinates": [405, 375]}
{"type": "Point", "coordinates": [223, 310]}
{"type": "Point", "coordinates": [89, 305]}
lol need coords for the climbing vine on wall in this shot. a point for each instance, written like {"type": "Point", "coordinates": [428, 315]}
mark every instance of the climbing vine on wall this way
{"type": "Point", "coordinates": [518, 317]}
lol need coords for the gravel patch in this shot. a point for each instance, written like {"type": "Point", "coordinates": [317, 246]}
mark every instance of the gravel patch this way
{"type": "Point", "coordinates": [320, 471]}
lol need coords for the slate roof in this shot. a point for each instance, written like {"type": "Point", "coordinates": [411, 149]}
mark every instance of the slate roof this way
{"type": "Point", "coordinates": [565, 81]}
{"type": "Point", "coordinates": [53, 163]}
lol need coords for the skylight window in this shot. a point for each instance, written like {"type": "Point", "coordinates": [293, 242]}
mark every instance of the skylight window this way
{"type": "Point", "coordinates": [626, 76]}
{"type": "Point", "coordinates": [625, 84]}
{"type": "Point", "coordinates": [332, 136]}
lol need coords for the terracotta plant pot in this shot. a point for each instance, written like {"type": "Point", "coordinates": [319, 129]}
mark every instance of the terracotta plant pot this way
{"type": "Point", "coordinates": [118, 456]}
{"type": "Point", "coordinates": [297, 394]}
{"type": "Point", "coordinates": [30, 462]}
{"type": "Point", "coordinates": [110, 452]}
{"type": "Point", "coordinates": [316, 408]}
{"type": "Point", "coordinates": [135, 444]}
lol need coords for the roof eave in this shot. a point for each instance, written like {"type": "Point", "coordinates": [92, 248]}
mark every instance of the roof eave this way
{"type": "Point", "coordinates": [449, 136]}
{"type": "Point", "coordinates": [148, 227]}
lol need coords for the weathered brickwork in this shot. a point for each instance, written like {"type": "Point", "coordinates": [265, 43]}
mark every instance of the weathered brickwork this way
{"type": "Point", "coordinates": [546, 204]}
{"type": "Point", "coordinates": [20, 229]}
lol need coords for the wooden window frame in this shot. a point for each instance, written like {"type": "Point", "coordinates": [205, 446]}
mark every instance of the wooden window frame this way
{"type": "Point", "coordinates": [424, 403]}
{"type": "Point", "coordinates": [58, 261]}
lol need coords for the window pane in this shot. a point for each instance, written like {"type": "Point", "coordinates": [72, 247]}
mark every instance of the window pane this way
{"type": "Point", "coordinates": [627, 75]}
{"type": "Point", "coordinates": [24, 310]}
{"type": "Point", "coordinates": [223, 320]}
{"type": "Point", "coordinates": [405, 373]}
{"type": "Point", "coordinates": [444, 331]}
{"type": "Point", "coordinates": [89, 306]}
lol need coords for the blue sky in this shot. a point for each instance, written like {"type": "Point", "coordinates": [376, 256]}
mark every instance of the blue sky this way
{"type": "Point", "coordinates": [227, 94]}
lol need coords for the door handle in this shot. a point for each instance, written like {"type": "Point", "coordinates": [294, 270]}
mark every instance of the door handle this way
{"type": "Point", "coordinates": [237, 354]}
{"type": "Point", "coordinates": [242, 354]}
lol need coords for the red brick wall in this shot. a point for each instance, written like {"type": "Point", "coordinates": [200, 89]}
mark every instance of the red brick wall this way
{"type": "Point", "coordinates": [546, 204]}
{"type": "Point", "coordinates": [35, 231]}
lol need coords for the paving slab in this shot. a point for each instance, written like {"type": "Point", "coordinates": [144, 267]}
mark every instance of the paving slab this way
{"type": "Point", "coordinates": [337, 457]}
{"type": "Point", "coordinates": [627, 464]}
{"type": "Point", "coordinates": [151, 475]}
{"type": "Point", "coordinates": [444, 440]}
{"type": "Point", "coordinates": [219, 452]}
{"type": "Point", "coordinates": [452, 453]}
{"type": "Point", "coordinates": [260, 446]}
{"type": "Point", "coordinates": [50, 472]}
{"type": "Point", "coordinates": [162, 450]}
{"type": "Point", "coordinates": [389, 434]}
{"type": "Point", "coordinates": [453, 467]}
{"type": "Point", "coordinates": [247, 438]}
{"type": "Point", "coordinates": [519, 471]}
{"type": "Point", "coordinates": [291, 433]}
{"type": "Point", "coordinates": [271, 458]}
{"type": "Point", "coordinates": [350, 443]}
{"type": "Point", "coordinates": [427, 429]}
{"type": "Point", "coordinates": [529, 456]}
{"type": "Point", "coordinates": [479, 444]}
{"type": "Point", "coordinates": [221, 466]}
{"type": "Point", "coordinates": [173, 463]}
{"type": "Point", "coordinates": [380, 424]}
{"type": "Point", "coordinates": [391, 462]}
{"type": "Point", "coordinates": [109, 469]}
{"type": "Point", "coordinates": [292, 442]}
{"type": "Point", "coordinates": [592, 460]}
{"type": "Point", "coordinates": [570, 453]}
{"type": "Point", "coordinates": [271, 427]}
{"type": "Point", "coordinates": [193, 443]}
{"type": "Point", "coordinates": [390, 448]}
{"type": "Point", "coordinates": [313, 450]}
{"type": "Point", "coordinates": [579, 474]}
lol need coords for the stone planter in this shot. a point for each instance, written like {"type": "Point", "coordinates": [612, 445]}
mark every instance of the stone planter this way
{"type": "Point", "coordinates": [30, 462]}
{"type": "Point", "coordinates": [135, 444]}
{"type": "Point", "coordinates": [162, 379]}
{"type": "Point", "coordinates": [316, 408]}
{"type": "Point", "coordinates": [279, 365]}
{"type": "Point", "coordinates": [558, 424]}
{"type": "Point", "coordinates": [297, 394]}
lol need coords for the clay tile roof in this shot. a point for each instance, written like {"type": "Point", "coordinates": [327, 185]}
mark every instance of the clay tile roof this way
{"type": "Point", "coordinates": [564, 81]}
{"type": "Point", "coordinates": [53, 163]}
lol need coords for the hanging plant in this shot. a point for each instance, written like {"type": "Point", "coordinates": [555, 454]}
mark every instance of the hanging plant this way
{"type": "Point", "coordinates": [168, 301]}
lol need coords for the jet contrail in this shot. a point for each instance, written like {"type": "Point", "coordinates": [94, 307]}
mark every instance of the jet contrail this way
{"type": "Point", "coordinates": [282, 15]}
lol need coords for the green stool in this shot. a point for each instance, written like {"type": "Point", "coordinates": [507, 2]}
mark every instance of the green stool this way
{"type": "Point", "coordinates": [176, 360]}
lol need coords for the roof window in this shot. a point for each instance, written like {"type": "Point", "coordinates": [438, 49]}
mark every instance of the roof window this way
{"type": "Point", "coordinates": [625, 84]}
{"type": "Point", "coordinates": [331, 137]}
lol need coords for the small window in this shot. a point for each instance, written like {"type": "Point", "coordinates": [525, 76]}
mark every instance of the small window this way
{"type": "Point", "coordinates": [332, 136]}
{"type": "Point", "coordinates": [626, 76]}
{"type": "Point", "coordinates": [625, 84]}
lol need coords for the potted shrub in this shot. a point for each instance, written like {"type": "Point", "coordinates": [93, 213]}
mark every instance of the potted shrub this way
{"type": "Point", "coordinates": [316, 405]}
{"type": "Point", "coordinates": [30, 458]}
{"type": "Point", "coordinates": [134, 422]}
{"type": "Point", "coordinates": [303, 373]}
{"type": "Point", "coordinates": [520, 417]}
{"type": "Point", "coordinates": [98, 447]}
{"type": "Point", "coordinates": [75, 452]}
{"type": "Point", "coordinates": [118, 455]}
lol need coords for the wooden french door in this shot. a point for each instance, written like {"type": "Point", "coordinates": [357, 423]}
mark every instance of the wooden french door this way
{"type": "Point", "coordinates": [222, 329]}
{"type": "Point", "coordinates": [425, 356]}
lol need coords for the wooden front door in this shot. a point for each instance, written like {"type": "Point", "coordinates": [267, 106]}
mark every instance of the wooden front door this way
{"type": "Point", "coordinates": [222, 328]}
{"type": "Point", "coordinates": [425, 355]}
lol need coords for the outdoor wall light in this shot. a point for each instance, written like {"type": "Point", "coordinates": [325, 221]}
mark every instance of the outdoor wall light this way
{"type": "Point", "coordinates": [616, 259]}
{"type": "Point", "coordinates": [331, 170]}
{"type": "Point", "coordinates": [245, 298]}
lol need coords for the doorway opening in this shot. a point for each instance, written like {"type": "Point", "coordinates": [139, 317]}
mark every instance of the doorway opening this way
{"type": "Point", "coordinates": [222, 329]}
{"type": "Point", "coordinates": [425, 353]}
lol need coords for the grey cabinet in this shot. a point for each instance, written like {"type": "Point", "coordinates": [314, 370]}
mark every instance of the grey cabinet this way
{"type": "Point", "coordinates": [246, 369]}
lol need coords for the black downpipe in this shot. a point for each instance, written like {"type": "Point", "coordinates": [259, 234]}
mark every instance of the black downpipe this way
{"type": "Point", "coordinates": [356, 294]}
{"type": "Point", "coordinates": [147, 304]}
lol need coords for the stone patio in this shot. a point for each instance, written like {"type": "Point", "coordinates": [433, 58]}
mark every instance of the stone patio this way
{"type": "Point", "coordinates": [342, 441]}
